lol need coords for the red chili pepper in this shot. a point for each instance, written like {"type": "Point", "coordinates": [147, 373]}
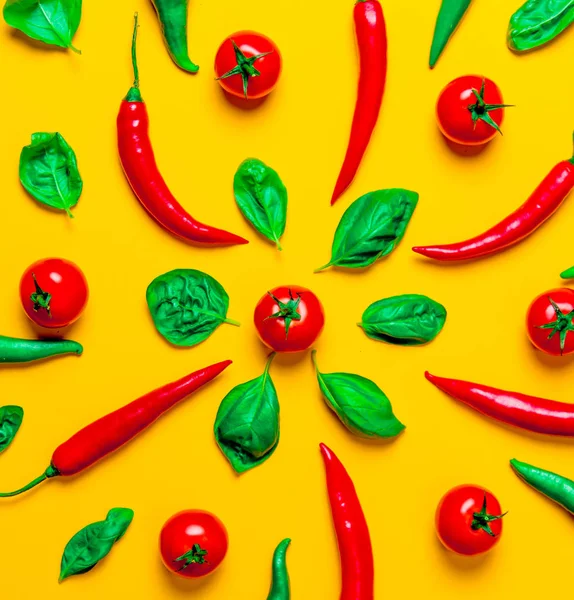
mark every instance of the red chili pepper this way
{"type": "Point", "coordinates": [372, 40]}
{"type": "Point", "coordinates": [528, 412]}
{"type": "Point", "coordinates": [138, 162]}
{"type": "Point", "coordinates": [542, 204]}
{"type": "Point", "coordinates": [100, 438]}
{"type": "Point", "coordinates": [355, 550]}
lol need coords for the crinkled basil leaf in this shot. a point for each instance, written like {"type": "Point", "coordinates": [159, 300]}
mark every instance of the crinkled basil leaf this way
{"type": "Point", "coordinates": [50, 21]}
{"type": "Point", "coordinates": [10, 421]}
{"type": "Point", "coordinates": [359, 403]}
{"type": "Point", "coordinates": [49, 171]}
{"type": "Point", "coordinates": [93, 542]}
{"type": "Point", "coordinates": [187, 306]}
{"type": "Point", "coordinates": [408, 320]}
{"type": "Point", "coordinates": [262, 198]}
{"type": "Point", "coordinates": [371, 228]}
{"type": "Point", "coordinates": [247, 423]}
{"type": "Point", "coordinates": [537, 22]}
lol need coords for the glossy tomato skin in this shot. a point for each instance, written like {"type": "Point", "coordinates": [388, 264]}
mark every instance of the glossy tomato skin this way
{"type": "Point", "coordinates": [66, 285]}
{"type": "Point", "coordinates": [453, 114]}
{"type": "Point", "coordinates": [542, 312]}
{"type": "Point", "coordinates": [454, 517]}
{"type": "Point", "coordinates": [302, 333]}
{"type": "Point", "coordinates": [251, 44]}
{"type": "Point", "coordinates": [182, 532]}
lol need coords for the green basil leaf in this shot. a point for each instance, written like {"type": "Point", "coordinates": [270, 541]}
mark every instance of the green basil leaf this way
{"type": "Point", "coordinates": [10, 421]}
{"type": "Point", "coordinates": [187, 306]}
{"type": "Point", "coordinates": [93, 542]}
{"type": "Point", "coordinates": [262, 198]}
{"type": "Point", "coordinates": [537, 22]}
{"type": "Point", "coordinates": [49, 171]}
{"type": "Point", "coordinates": [247, 422]}
{"type": "Point", "coordinates": [371, 228]}
{"type": "Point", "coordinates": [408, 320]}
{"type": "Point", "coordinates": [359, 403]}
{"type": "Point", "coordinates": [50, 21]}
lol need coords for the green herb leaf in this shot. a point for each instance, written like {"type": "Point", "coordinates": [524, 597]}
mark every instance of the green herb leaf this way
{"type": "Point", "coordinates": [93, 542]}
{"type": "Point", "coordinates": [49, 171]}
{"type": "Point", "coordinates": [371, 228]}
{"type": "Point", "coordinates": [10, 421]}
{"type": "Point", "coordinates": [247, 423]}
{"type": "Point", "coordinates": [50, 21]}
{"type": "Point", "coordinates": [407, 320]}
{"type": "Point", "coordinates": [539, 21]}
{"type": "Point", "coordinates": [262, 198]}
{"type": "Point", "coordinates": [187, 306]}
{"type": "Point", "coordinates": [359, 403]}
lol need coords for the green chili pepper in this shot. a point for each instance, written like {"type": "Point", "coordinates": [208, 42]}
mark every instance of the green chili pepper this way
{"type": "Point", "coordinates": [280, 589]}
{"type": "Point", "coordinates": [557, 488]}
{"type": "Point", "coordinates": [568, 274]}
{"type": "Point", "coordinates": [15, 350]}
{"type": "Point", "coordinates": [449, 16]}
{"type": "Point", "coordinates": [172, 16]}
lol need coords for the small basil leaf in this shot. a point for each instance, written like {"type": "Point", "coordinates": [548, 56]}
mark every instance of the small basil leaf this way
{"type": "Point", "coordinates": [371, 228]}
{"type": "Point", "coordinates": [247, 422]}
{"type": "Point", "coordinates": [262, 198]}
{"type": "Point", "coordinates": [93, 542]}
{"type": "Point", "coordinates": [537, 22]}
{"type": "Point", "coordinates": [49, 171]}
{"type": "Point", "coordinates": [187, 306]}
{"type": "Point", "coordinates": [408, 320]}
{"type": "Point", "coordinates": [10, 421]}
{"type": "Point", "coordinates": [50, 21]}
{"type": "Point", "coordinates": [359, 403]}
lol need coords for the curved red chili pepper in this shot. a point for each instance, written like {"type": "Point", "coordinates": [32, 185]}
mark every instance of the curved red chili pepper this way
{"type": "Point", "coordinates": [138, 162]}
{"type": "Point", "coordinates": [353, 537]}
{"type": "Point", "coordinates": [528, 412]}
{"type": "Point", "coordinates": [372, 41]}
{"type": "Point", "coordinates": [542, 204]}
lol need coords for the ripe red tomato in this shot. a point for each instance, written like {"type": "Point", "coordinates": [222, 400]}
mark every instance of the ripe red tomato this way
{"type": "Point", "coordinates": [549, 322]}
{"type": "Point", "coordinates": [468, 520]}
{"type": "Point", "coordinates": [470, 110]}
{"type": "Point", "coordinates": [53, 292]}
{"type": "Point", "coordinates": [289, 318]}
{"type": "Point", "coordinates": [193, 543]}
{"type": "Point", "coordinates": [248, 65]}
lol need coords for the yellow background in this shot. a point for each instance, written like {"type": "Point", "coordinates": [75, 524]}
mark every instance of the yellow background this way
{"type": "Point", "coordinates": [302, 131]}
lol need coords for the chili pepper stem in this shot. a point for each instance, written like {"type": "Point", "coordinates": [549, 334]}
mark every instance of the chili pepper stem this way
{"type": "Point", "coordinates": [134, 94]}
{"type": "Point", "coordinates": [49, 472]}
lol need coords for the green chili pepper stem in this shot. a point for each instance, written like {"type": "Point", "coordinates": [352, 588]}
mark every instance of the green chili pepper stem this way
{"type": "Point", "coordinates": [571, 160]}
{"type": "Point", "coordinates": [280, 576]}
{"type": "Point", "coordinates": [568, 274]}
{"type": "Point", "coordinates": [51, 471]}
{"type": "Point", "coordinates": [134, 94]}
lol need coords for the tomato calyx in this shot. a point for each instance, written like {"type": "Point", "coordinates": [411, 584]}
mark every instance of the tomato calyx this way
{"type": "Point", "coordinates": [481, 520]}
{"type": "Point", "coordinates": [195, 556]}
{"type": "Point", "coordinates": [288, 311]}
{"type": "Point", "coordinates": [244, 66]}
{"type": "Point", "coordinates": [40, 298]}
{"type": "Point", "coordinates": [562, 324]}
{"type": "Point", "coordinates": [480, 110]}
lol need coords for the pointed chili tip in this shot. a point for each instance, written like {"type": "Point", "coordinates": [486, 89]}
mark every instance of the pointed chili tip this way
{"type": "Point", "coordinates": [418, 249]}
{"type": "Point", "coordinates": [430, 376]}
{"type": "Point", "coordinates": [326, 451]}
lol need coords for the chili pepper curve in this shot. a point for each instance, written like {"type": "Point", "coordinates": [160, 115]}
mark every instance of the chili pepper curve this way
{"type": "Point", "coordinates": [356, 554]}
{"type": "Point", "coordinates": [140, 168]}
{"type": "Point", "coordinates": [372, 41]}
{"type": "Point", "coordinates": [16, 350]}
{"type": "Point", "coordinates": [280, 589]}
{"type": "Point", "coordinates": [110, 432]}
{"type": "Point", "coordinates": [542, 204]}
{"type": "Point", "coordinates": [527, 412]}
{"type": "Point", "coordinates": [450, 15]}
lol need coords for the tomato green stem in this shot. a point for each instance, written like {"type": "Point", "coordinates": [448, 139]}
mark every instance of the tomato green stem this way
{"type": "Point", "coordinates": [195, 556]}
{"type": "Point", "coordinates": [482, 519]}
{"type": "Point", "coordinates": [244, 66]}
{"type": "Point", "coordinates": [49, 472]}
{"type": "Point", "coordinates": [288, 311]}
{"type": "Point", "coordinates": [40, 298]}
{"type": "Point", "coordinates": [562, 325]}
{"type": "Point", "coordinates": [480, 110]}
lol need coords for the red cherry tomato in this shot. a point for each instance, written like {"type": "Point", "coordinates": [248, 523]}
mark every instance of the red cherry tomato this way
{"type": "Point", "coordinates": [248, 65]}
{"type": "Point", "coordinates": [53, 292]}
{"type": "Point", "coordinates": [289, 318]}
{"type": "Point", "coordinates": [469, 520]}
{"type": "Point", "coordinates": [193, 543]}
{"type": "Point", "coordinates": [549, 322]}
{"type": "Point", "coordinates": [470, 110]}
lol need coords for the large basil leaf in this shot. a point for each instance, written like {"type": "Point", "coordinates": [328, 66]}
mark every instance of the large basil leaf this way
{"type": "Point", "coordinates": [247, 423]}
{"type": "Point", "coordinates": [187, 306]}
{"type": "Point", "coordinates": [371, 228]}
{"type": "Point", "coordinates": [359, 403]}
{"type": "Point", "coordinates": [50, 21]}
{"type": "Point", "coordinates": [539, 21]}
{"type": "Point", "coordinates": [49, 171]}
{"type": "Point", "coordinates": [10, 421]}
{"type": "Point", "coordinates": [408, 320]}
{"type": "Point", "coordinates": [93, 542]}
{"type": "Point", "coordinates": [262, 198]}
